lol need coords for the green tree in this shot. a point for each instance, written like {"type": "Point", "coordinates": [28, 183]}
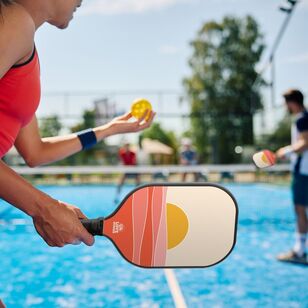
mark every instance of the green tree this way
{"type": "Point", "coordinates": [156, 132]}
{"type": "Point", "coordinates": [280, 137]}
{"type": "Point", "coordinates": [88, 121]}
{"type": "Point", "coordinates": [87, 157]}
{"type": "Point", "coordinates": [50, 126]}
{"type": "Point", "coordinates": [220, 90]}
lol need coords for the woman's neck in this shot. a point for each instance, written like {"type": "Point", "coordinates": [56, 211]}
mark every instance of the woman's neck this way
{"type": "Point", "coordinates": [37, 9]}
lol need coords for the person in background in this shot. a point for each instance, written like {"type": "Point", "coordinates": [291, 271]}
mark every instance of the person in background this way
{"type": "Point", "coordinates": [298, 152]}
{"type": "Point", "coordinates": [127, 158]}
{"type": "Point", "coordinates": [188, 158]}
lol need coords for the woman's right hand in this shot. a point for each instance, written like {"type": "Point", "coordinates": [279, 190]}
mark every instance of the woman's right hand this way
{"type": "Point", "coordinates": [123, 123]}
{"type": "Point", "coordinates": [58, 223]}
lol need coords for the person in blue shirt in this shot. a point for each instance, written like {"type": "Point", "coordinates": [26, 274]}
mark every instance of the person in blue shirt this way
{"type": "Point", "coordinates": [188, 158]}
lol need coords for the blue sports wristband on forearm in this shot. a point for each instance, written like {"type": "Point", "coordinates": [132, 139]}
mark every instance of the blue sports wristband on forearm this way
{"type": "Point", "coordinates": [87, 138]}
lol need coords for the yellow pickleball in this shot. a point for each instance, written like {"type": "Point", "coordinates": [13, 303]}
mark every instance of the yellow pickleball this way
{"type": "Point", "coordinates": [139, 107]}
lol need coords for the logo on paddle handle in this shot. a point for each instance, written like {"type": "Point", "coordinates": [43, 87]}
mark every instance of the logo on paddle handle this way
{"type": "Point", "coordinates": [174, 225]}
{"type": "Point", "coordinates": [117, 227]}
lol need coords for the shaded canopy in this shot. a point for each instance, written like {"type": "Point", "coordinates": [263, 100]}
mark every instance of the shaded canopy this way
{"type": "Point", "coordinates": [155, 147]}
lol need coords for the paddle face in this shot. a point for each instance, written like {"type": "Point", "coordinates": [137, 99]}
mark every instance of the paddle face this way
{"type": "Point", "coordinates": [174, 225]}
{"type": "Point", "coordinates": [264, 159]}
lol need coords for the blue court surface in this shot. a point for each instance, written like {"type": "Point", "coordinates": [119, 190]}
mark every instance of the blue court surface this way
{"type": "Point", "coordinates": [35, 275]}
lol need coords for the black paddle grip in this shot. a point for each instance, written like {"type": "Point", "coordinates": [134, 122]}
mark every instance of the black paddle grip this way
{"type": "Point", "coordinates": [94, 226]}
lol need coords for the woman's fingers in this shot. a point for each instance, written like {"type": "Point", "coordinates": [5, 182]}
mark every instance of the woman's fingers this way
{"type": "Point", "coordinates": [44, 235]}
{"type": "Point", "coordinates": [125, 116]}
{"type": "Point", "coordinates": [147, 123]}
{"type": "Point", "coordinates": [144, 116]}
{"type": "Point", "coordinates": [60, 225]}
{"type": "Point", "coordinates": [123, 125]}
{"type": "Point", "coordinates": [79, 214]}
{"type": "Point", "coordinates": [86, 237]}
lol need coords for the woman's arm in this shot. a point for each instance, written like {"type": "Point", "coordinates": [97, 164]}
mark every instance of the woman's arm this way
{"type": "Point", "coordinates": [57, 222]}
{"type": "Point", "coordinates": [37, 151]}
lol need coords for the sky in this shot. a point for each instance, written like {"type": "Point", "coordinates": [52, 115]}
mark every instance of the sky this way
{"type": "Point", "coordinates": [137, 45]}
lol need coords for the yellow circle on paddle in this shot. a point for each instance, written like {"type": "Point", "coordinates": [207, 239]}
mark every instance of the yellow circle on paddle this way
{"type": "Point", "coordinates": [139, 107]}
{"type": "Point", "coordinates": [177, 225]}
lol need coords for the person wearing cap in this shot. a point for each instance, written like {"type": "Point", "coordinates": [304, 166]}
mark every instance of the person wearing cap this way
{"type": "Point", "coordinates": [188, 158]}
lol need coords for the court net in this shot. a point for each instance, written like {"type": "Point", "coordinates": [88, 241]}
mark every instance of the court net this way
{"type": "Point", "coordinates": [169, 173]}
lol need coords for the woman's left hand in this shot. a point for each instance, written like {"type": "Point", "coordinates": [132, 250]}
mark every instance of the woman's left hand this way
{"type": "Point", "coordinates": [122, 124]}
{"type": "Point", "coordinates": [280, 153]}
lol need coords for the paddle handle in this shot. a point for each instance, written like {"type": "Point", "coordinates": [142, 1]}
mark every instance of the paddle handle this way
{"type": "Point", "coordinates": [94, 226]}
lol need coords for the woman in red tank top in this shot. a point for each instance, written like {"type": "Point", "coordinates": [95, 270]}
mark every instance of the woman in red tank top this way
{"type": "Point", "coordinates": [57, 222]}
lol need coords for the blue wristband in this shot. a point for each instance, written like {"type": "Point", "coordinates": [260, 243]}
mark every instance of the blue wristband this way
{"type": "Point", "coordinates": [87, 138]}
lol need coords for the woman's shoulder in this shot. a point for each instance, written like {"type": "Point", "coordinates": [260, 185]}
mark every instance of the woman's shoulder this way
{"type": "Point", "coordinates": [17, 31]}
{"type": "Point", "coordinates": [15, 19]}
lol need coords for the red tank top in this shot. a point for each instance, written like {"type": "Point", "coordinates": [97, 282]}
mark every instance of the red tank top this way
{"type": "Point", "coordinates": [128, 157]}
{"type": "Point", "coordinates": [20, 93]}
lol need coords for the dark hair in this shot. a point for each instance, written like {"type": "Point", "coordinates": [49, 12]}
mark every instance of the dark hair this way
{"type": "Point", "coordinates": [5, 2]}
{"type": "Point", "coordinates": [294, 95]}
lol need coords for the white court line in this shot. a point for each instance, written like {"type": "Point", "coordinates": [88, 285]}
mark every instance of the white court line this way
{"type": "Point", "coordinates": [178, 298]}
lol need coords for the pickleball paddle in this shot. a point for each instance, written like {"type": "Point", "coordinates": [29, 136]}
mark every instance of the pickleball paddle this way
{"type": "Point", "coordinates": [264, 159]}
{"type": "Point", "coordinates": [172, 225]}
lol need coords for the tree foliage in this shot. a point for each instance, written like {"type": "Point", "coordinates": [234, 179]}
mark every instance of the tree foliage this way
{"type": "Point", "coordinates": [89, 156]}
{"type": "Point", "coordinates": [220, 92]}
{"type": "Point", "coordinates": [280, 137]}
{"type": "Point", "coordinates": [50, 126]}
{"type": "Point", "coordinates": [88, 121]}
{"type": "Point", "coordinates": [156, 132]}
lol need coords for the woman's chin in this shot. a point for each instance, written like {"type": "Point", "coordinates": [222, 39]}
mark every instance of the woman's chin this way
{"type": "Point", "coordinates": [63, 26]}
{"type": "Point", "coordinates": [60, 25]}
